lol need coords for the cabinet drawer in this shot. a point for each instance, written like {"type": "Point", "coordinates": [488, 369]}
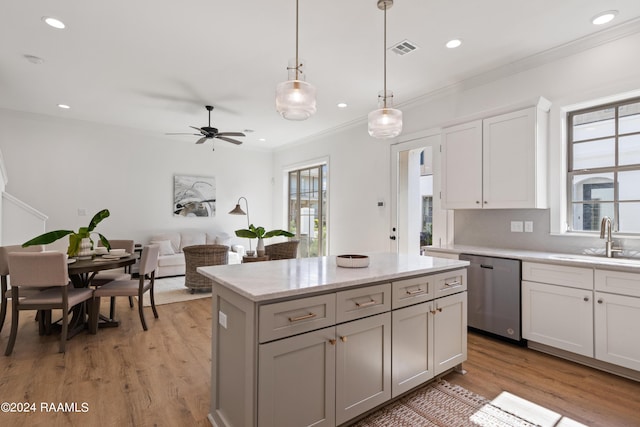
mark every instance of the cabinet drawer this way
{"type": "Point", "coordinates": [362, 302]}
{"type": "Point", "coordinates": [288, 318]}
{"type": "Point", "coordinates": [618, 282]}
{"type": "Point", "coordinates": [413, 291]}
{"type": "Point", "coordinates": [449, 283]}
{"type": "Point", "coordinates": [574, 277]}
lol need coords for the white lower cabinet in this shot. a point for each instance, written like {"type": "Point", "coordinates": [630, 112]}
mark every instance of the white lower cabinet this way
{"type": "Point", "coordinates": [449, 332]}
{"type": "Point", "coordinates": [296, 380]}
{"type": "Point", "coordinates": [428, 339]}
{"type": "Point", "coordinates": [558, 316]}
{"type": "Point", "coordinates": [616, 318]}
{"type": "Point", "coordinates": [363, 365]}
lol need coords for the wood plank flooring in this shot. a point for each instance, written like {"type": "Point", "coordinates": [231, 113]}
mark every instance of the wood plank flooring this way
{"type": "Point", "coordinates": [129, 377]}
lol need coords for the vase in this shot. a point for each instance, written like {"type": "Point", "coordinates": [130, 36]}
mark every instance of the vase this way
{"type": "Point", "coordinates": [260, 248]}
{"type": "Point", "coordinates": [85, 251]}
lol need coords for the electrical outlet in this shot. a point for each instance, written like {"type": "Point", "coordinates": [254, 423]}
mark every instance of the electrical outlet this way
{"type": "Point", "coordinates": [222, 319]}
{"type": "Point", "coordinates": [516, 227]}
{"type": "Point", "coordinates": [528, 226]}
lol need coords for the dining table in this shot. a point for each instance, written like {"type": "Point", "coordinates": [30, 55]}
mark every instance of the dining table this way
{"type": "Point", "coordinates": [81, 274]}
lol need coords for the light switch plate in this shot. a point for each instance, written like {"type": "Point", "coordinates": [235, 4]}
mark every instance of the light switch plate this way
{"type": "Point", "coordinates": [516, 227]}
{"type": "Point", "coordinates": [528, 226]}
{"type": "Point", "coordinates": [222, 319]}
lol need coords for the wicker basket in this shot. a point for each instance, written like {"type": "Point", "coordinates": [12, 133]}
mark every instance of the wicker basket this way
{"type": "Point", "coordinates": [284, 250]}
{"type": "Point", "coordinates": [201, 256]}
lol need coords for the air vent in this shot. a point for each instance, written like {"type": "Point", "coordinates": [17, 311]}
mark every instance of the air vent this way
{"type": "Point", "coordinates": [404, 47]}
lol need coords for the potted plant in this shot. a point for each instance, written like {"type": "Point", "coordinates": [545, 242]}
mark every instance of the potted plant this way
{"type": "Point", "coordinates": [75, 238]}
{"type": "Point", "coordinates": [260, 234]}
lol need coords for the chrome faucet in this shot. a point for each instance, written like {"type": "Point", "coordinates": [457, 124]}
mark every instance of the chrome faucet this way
{"type": "Point", "coordinates": [605, 227]}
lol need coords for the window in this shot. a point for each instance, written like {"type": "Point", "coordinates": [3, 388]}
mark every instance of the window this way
{"type": "Point", "coordinates": [307, 209]}
{"type": "Point", "coordinates": [604, 167]}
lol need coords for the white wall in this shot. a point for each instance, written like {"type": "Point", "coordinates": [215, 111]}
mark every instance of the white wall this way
{"type": "Point", "coordinates": [59, 166]}
{"type": "Point", "coordinates": [359, 167]}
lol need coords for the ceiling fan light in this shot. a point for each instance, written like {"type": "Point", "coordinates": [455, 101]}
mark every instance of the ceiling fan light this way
{"type": "Point", "coordinates": [295, 100]}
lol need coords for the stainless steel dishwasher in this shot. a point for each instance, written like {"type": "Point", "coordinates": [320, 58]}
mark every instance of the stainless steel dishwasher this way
{"type": "Point", "coordinates": [493, 294]}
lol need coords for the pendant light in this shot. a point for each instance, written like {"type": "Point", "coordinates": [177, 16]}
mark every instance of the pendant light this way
{"type": "Point", "coordinates": [386, 121]}
{"type": "Point", "coordinates": [295, 98]}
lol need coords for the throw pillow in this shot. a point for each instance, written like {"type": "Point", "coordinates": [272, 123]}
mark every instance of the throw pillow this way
{"type": "Point", "coordinates": [165, 247]}
{"type": "Point", "coordinates": [223, 239]}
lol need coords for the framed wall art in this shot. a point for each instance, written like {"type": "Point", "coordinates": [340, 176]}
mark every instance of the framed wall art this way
{"type": "Point", "coordinates": [194, 196]}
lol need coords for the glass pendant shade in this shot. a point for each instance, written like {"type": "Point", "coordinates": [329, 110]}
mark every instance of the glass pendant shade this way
{"type": "Point", "coordinates": [386, 121]}
{"type": "Point", "coordinates": [295, 99]}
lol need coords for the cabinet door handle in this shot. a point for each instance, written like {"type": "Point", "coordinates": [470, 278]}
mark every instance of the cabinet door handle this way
{"type": "Point", "coordinates": [415, 291]}
{"type": "Point", "coordinates": [477, 202]}
{"type": "Point", "coordinates": [343, 339]}
{"type": "Point", "coordinates": [485, 202]}
{"type": "Point", "coordinates": [366, 304]}
{"type": "Point", "coordinates": [332, 342]}
{"type": "Point", "coordinates": [586, 299]}
{"type": "Point", "coordinates": [299, 318]}
{"type": "Point", "coordinates": [456, 283]}
{"type": "Point", "coordinates": [600, 300]}
{"type": "Point", "coordinates": [440, 309]}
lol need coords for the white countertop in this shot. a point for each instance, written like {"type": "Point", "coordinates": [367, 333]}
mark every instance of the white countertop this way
{"type": "Point", "coordinates": [574, 260]}
{"type": "Point", "coordinates": [270, 280]}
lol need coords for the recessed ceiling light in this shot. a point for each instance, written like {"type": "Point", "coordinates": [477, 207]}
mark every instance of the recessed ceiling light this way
{"type": "Point", "coordinates": [342, 105]}
{"type": "Point", "coordinates": [452, 44]}
{"type": "Point", "coordinates": [262, 139]}
{"type": "Point", "coordinates": [53, 22]}
{"type": "Point", "coordinates": [604, 17]}
{"type": "Point", "coordinates": [64, 106]}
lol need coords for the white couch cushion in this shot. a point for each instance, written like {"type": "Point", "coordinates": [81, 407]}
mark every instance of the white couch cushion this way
{"type": "Point", "coordinates": [173, 237]}
{"type": "Point", "coordinates": [166, 248]}
{"type": "Point", "coordinates": [170, 260]}
{"type": "Point", "coordinates": [192, 238]}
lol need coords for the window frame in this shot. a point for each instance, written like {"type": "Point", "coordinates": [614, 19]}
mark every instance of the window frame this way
{"type": "Point", "coordinates": [614, 170]}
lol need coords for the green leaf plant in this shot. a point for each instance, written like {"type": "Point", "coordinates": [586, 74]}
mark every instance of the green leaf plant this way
{"type": "Point", "coordinates": [74, 237]}
{"type": "Point", "coordinates": [259, 233]}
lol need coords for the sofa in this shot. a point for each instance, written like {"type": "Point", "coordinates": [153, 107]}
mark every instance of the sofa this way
{"type": "Point", "coordinates": [171, 261]}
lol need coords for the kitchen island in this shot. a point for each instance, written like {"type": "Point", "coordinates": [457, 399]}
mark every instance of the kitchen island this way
{"type": "Point", "coordinates": [305, 342]}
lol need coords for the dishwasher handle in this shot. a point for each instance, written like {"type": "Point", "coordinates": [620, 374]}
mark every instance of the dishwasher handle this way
{"type": "Point", "coordinates": [490, 267]}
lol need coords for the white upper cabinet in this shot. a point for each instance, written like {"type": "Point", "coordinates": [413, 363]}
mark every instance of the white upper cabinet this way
{"type": "Point", "coordinates": [499, 162]}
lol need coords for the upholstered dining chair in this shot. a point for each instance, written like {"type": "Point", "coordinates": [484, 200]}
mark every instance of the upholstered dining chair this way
{"type": "Point", "coordinates": [132, 287]}
{"type": "Point", "coordinates": [42, 270]}
{"type": "Point", "coordinates": [284, 250]}
{"type": "Point", "coordinates": [5, 293]}
{"type": "Point", "coordinates": [200, 256]}
{"type": "Point", "coordinates": [106, 276]}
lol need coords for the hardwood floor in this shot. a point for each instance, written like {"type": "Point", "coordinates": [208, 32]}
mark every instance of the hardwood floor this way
{"type": "Point", "coordinates": [161, 377]}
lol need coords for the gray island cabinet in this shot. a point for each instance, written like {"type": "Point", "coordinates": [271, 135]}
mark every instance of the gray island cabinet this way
{"type": "Point", "coordinates": [304, 342]}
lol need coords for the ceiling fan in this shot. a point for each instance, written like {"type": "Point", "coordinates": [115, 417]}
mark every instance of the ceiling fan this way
{"type": "Point", "coordinates": [208, 132]}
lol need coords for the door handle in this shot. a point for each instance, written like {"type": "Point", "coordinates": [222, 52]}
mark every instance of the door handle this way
{"type": "Point", "coordinates": [392, 237]}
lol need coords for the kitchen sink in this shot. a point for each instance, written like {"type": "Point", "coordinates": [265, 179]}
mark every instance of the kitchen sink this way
{"type": "Point", "coordinates": [596, 259]}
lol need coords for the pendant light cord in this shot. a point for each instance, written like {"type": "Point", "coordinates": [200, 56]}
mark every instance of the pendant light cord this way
{"type": "Point", "coordinates": [384, 51]}
{"type": "Point", "coordinates": [297, 64]}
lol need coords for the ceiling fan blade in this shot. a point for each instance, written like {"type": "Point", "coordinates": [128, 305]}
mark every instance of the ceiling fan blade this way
{"type": "Point", "coordinates": [202, 131]}
{"type": "Point", "coordinates": [233, 141]}
{"type": "Point", "coordinates": [201, 140]}
{"type": "Point", "coordinates": [197, 134]}
{"type": "Point", "coordinates": [231, 134]}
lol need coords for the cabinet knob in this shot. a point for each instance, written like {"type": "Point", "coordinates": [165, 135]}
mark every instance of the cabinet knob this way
{"type": "Point", "coordinates": [586, 299]}
{"type": "Point", "coordinates": [332, 342]}
{"type": "Point", "coordinates": [477, 202]}
{"type": "Point", "coordinates": [485, 202]}
{"type": "Point", "coordinates": [343, 339]}
{"type": "Point", "coordinates": [600, 300]}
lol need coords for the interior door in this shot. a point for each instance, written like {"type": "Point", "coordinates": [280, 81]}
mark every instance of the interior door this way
{"type": "Point", "coordinates": [406, 197]}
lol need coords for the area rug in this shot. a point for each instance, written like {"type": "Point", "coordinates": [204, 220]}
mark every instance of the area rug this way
{"type": "Point", "coordinates": [170, 290]}
{"type": "Point", "coordinates": [440, 404]}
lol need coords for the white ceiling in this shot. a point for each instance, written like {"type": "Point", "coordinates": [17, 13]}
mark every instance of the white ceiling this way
{"type": "Point", "coordinates": [154, 64]}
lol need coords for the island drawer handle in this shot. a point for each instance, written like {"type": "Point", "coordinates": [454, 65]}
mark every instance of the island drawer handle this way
{"type": "Point", "coordinates": [305, 317]}
{"type": "Point", "coordinates": [455, 283]}
{"type": "Point", "coordinates": [366, 304]}
{"type": "Point", "coordinates": [416, 291]}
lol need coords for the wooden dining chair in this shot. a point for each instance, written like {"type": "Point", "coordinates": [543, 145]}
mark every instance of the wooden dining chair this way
{"type": "Point", "coordinates": [105, 276]}
{"type": "Point", "coordinates": [48, 271]}
{"type": "Point", "coordinates": [5, 293]}
{"type": "Point", "coordinates": [130, 288]}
